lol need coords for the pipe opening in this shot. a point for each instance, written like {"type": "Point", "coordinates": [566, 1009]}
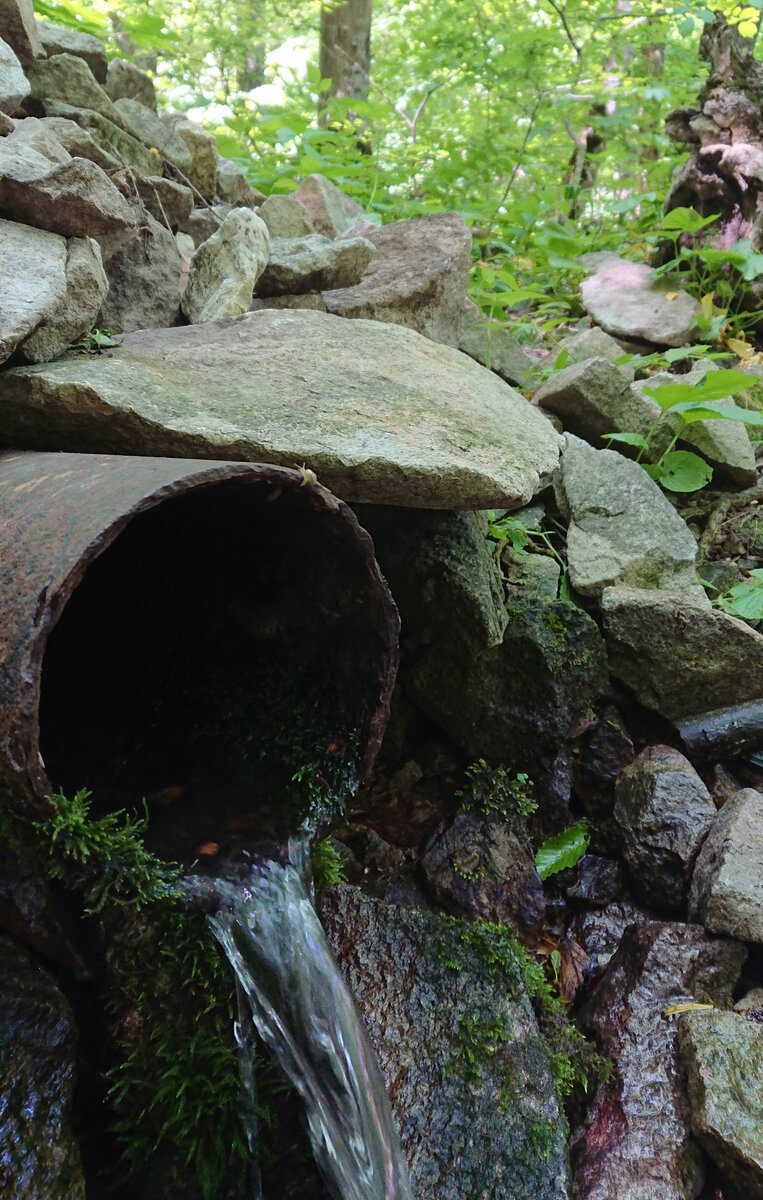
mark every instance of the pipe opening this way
{"type": "Point", "coordinates": [226, 641]}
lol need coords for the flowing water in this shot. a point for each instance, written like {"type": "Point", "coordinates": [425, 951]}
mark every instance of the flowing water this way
{"type": "Point", "coordinates": [304, 1013]}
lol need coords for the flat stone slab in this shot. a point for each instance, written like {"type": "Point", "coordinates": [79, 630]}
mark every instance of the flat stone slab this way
{"type": "Point", "coordinates": [727, 886]}
{"type": "Point", "coordinates": [627, 300]}
{"type": "Point", "coordinates": [379, 412]}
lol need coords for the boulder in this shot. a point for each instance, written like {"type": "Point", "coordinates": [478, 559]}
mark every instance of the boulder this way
{"type": "Point", "coordinates": [125, 81]}
{"type": "Point", "coordinates": [380, 413]}
{"type": "Point", "coordinates": [727, 887]}
{"type": "Point", "coordinates": [722, 1054]}
{"type": "Point", "coordinates": [18, 28]}
{"type": "Point", "coordinates": [329, 209]}
{"type": "Point", "coordinates": [312, 300]}
{"type": "Point", "coordinates": [56, 40]}
{"type": "Point", "coordinates": [313, 263]}
{"type": "Point", "coordinates": [38, 1054]}
{"type": "Point", "coordinates": [14, 85]}
{"type": "Point", "coordinates": [233, 187]}
{"type": "Point", "coordinates": [530, 578]}
{"type": "Point", "coordinates": [593, 398]}
{"type": "Point", "coordinates": [628, 301]}
{"type": "Point", "coordinates": [664, 812]}
{"type": "Point", "coordinates": [168, 202]}
{"type": "Point", "coordinates": [594, 343]}
{"type": "Point", "coordinates": [148, 128]}
{"type": "Point", "coordinates": [226, 267]}
{"type": "Point", "coordinates": [76, 199]}
{"type": "Point", "coordinates": [201, 223]}
{"type": "Point", "coordinates": [484, 869]}
{"type": "Point", "coordinates": [623, 531]}
{"type": "Point", "coordinates": [418, 277]}
{"type": "Point", "coordinates": [636, 1141]}
{"type": "Point", "coordinates": [491, 344]}
{"type": "Point", "coordinates": [285, 217]}
{"type": "Point", "coordinates": [32, 281]}
{"type": "Point", "coordinates": [467, 1071]}
{"type": "Point", "coordinates": [35, 133]}
{"type": "Point", "coordinates": [68, 79]}
{"type": "Point", "coordinates": [76, 141]}
{"type": "Point", "coordinates": [680, 659]}
{"type": "Point", "coordinates": [724, 444]}
{"type": "Point", "coordinates": [75, 312]}
{"type": "Point", "coordinates": [144, 281]}
{"type": "Point", "coordinates": [111, 138]}
{"type": "Point", "coordinates": [200, 146]}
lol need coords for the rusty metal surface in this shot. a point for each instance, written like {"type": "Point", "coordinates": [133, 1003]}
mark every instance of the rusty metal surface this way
{"type": "Point", "coordinates": [58, 512]}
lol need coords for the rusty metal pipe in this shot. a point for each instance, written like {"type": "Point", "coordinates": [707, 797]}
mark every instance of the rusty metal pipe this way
{"type": "Point", "coordinates": [113, 566]}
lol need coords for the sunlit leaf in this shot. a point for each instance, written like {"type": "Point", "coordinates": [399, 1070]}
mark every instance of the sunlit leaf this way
{"type": "Point", "coordinates": [562, 851]}
{"type": "Point", "coordinates": [682, 471]}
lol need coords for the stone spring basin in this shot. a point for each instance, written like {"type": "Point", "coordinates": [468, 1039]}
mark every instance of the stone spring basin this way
{"type": "Point", "coordinates": [184, 631]}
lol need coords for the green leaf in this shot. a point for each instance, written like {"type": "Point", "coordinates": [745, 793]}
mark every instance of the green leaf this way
{"type": "Point", "coordinates": [630, 439]}
{"type": "Point", "coordinates": [563, 850]}
{"type": "Point", "coordinates": [696, 412]}
{"type": "Point", "coordinates": [682, 471]}
{"type": "Point", "coordinates": [686, 220]}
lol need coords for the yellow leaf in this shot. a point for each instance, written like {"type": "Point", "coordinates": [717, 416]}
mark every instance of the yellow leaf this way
{"type": "Point", "coordinates": [747, 29]}
{"type": "Point", "coordinates": [671, 295]}
{"type": "Point", "coordinates": [153, 150]}
{"type": "Point", "coordinates": [688, 1007]}
{"type": "Point", "coordinates": [740, 348]}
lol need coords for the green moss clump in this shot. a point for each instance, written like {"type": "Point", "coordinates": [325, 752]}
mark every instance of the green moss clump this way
{"type": "Point", "coordinates": [327, 864]}
{"type": "Point", "coordinates": [497, 792]}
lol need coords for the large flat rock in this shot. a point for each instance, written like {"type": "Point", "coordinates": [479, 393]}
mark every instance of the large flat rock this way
{"type": "Point", "coordinates": [628, 300]}
{"type": "Point", "coordinates": [379, 412]}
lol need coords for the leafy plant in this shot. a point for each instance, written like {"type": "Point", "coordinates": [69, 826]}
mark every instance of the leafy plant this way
{"type": "Point", "coordinates": [683, 470]}
{"type": "Point", "coordinates": [97, 340]}
{"type": "Point", "coordinates": [744, 599]}
{"type": "Point", "coordinates": [327, 865]}
{"type": "Point", "coordinates": [497, 792]}
{"type": "Point", "coordinates": [563, 850]}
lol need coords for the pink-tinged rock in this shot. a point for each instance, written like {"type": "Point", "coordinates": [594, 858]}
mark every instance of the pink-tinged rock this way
{"type": "Point", "coordinates": [627, 300]}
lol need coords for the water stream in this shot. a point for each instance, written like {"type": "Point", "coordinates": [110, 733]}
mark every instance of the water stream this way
{"type": "Point", "coordinates": [302, 1010]}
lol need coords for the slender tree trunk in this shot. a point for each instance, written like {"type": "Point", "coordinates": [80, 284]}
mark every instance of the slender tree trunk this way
{"type": "Point", "coordinates": [346, 48]}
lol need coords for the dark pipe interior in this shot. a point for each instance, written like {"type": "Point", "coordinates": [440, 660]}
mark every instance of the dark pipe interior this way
{"type": "Point", "coordinates": [222, 642]}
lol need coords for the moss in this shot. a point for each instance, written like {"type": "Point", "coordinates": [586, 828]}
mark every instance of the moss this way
{"type": "Point", "coordinates": [553, 622]}
{"type": "Point", "coordinates": [496, 792]}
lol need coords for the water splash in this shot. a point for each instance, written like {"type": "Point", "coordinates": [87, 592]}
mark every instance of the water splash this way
{"type": "Point", "coordinates": [304, 1013]}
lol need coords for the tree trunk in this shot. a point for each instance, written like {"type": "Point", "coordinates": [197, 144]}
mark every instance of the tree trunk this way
{"type": "Point", "coordinates": [345, 56]}
{"type": "Point", "coordinates": [723, 175]}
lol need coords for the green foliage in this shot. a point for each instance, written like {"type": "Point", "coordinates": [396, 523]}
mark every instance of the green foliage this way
{"type": "Point", "coordinates": [175, 1086]}
{"type": "Point", "coordinates": [744, 599]}
{"type": "Point", "coordinates": [96, 341]}
{"type": "Point", "coordinates": [684, 403]}
{"type": "Point", "coordinates": [562, 850]}
{"type": "Point", "coordinates": [327, 864]}
{"type": "Point", "coordinates": [497, 792]}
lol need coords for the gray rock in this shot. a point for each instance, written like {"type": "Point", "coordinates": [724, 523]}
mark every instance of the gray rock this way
{"type": "Point", "coordinates": [232, 185]}
{"type": "Point", "coordinates": [40, 1156]}
{"type": "Point", "coordinates": [329, 209]}
{"type": "Point", "coordinates": [361, 227]}
{"type": "Point", "coordinates": [521, 701]}
{"type": "Point", "coordinates": [623, 530]}
{"type": "Point", "coordinates": [722, 1053]}
{"type": "Point", "coordinates": [530, 578]}
{"type": "Point", "coordinates": [144, 281]}
{"type": "Point", "coordinates": [125, 81]}
{"type": "Point", "coordinates": [75, 312]}
{"type": "Point", "coordinates": [727, 887]}
{"type": "Point", "coordinates": [313, 263]}
{"type": "Point", "coordinates": [724, 444]}
{"type": "Point", "coordinates": [32, 281]}
{"type": "Point", "coordinates": [592, 398]}
{"type": "Point", "coordinates": [484, 869]}
{"type": "Point", "coordinates": [595, 343]}
{"type": "Point", "coordinates": [76, 141]}
{"type": "Point", "coordinates": [600, 933]}
{"type": "Point", "coordinates": [478, 1129]}
{"type": "Point", "coordinates": [202, 149]}
{"type": "Point", "coordinates": [201, 223]}
{"type": "Point", "coordinates": [312, 300]}
{"type": "Point", "coordinates": [18, 28]}
{"type": "Point", "coordinates": [417, 277]}
{"type": "Point", "coordinates": [6, 124]}
{"type": "Point", "coordinates": [35, 133]}
{"type": "Point", "coordinates": [226, 267]}
{"type": "Point", "coordinates": [110, 139]}
{"type": "Point", "coordinates": [168, 202]}
{"type": "Point", "coordinates": [628, 301]}
{"type": "Point", "coordinates": [56, 40]}
{"type": "Point", "coordinates": [68, 79]}
{"type": "Point", "coordinates": [664, 812]}
{"type": "Point", "coordinates": [76, 199]}
{"type": "Point", "coordinates": [636, 1143]}
{"type": "Point", "coordinates": [14, 85]}
{"type": "Point", "coordinates": [384, 417]}
{"type": "Point", "coordinates": [285, 217]}
{"type": "Point", "coordinates": [678, 658]}
{"type": "Point", "coordinates": [492, 345]}
{"type": "Point", "coordinates": [148, 128]}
